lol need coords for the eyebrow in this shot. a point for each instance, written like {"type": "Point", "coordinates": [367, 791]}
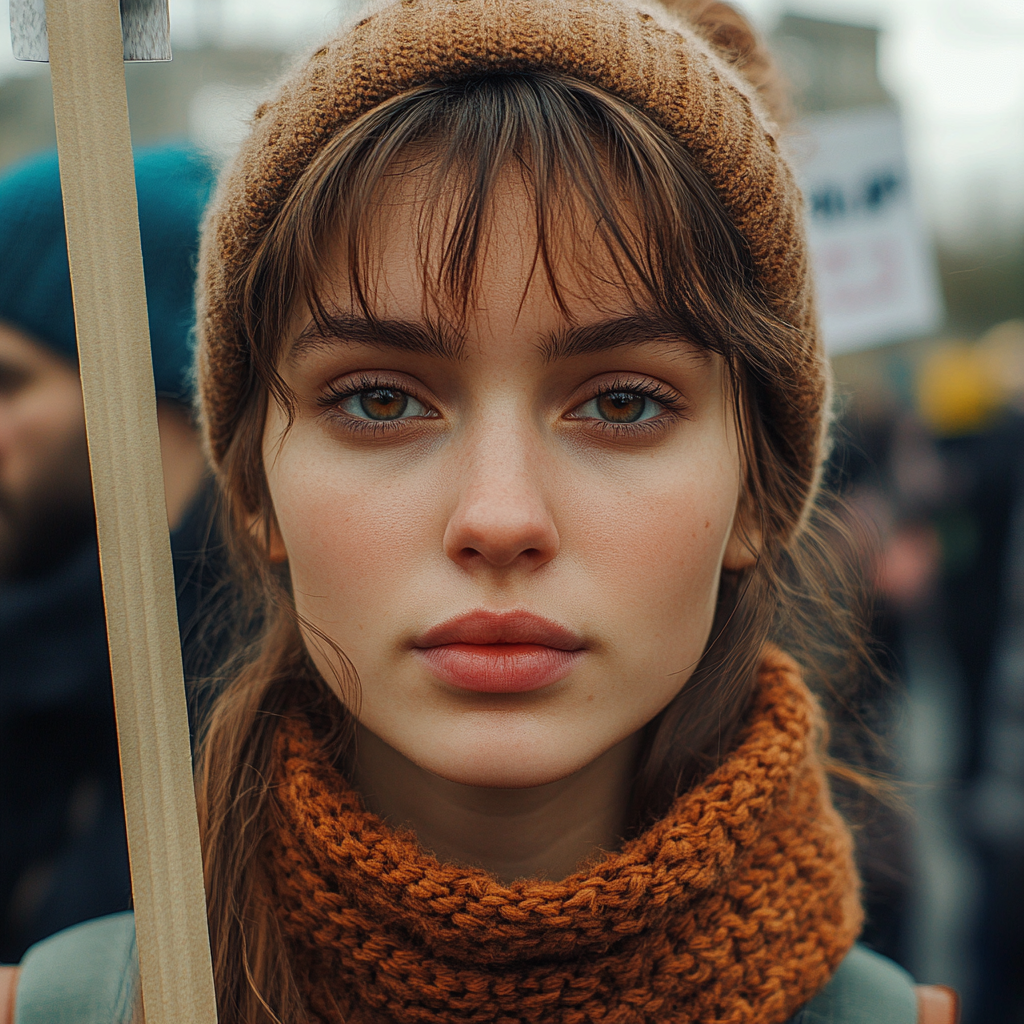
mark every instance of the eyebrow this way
{"type": "Point", "coordinates": [430, 339]}
{"type": "Point", "coordinates": [618, 332]}
{"type": "Point", "coordinates": [435, 339]}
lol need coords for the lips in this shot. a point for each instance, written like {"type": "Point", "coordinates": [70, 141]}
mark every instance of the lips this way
{"type": "Point", "coordinates": [499, 652]}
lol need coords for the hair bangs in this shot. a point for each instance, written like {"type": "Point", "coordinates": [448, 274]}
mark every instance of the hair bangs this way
{"type": "Point", "coordinates": [601, 178]}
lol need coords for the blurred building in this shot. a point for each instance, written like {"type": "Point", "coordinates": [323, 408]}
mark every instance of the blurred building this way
{"type": "Point", "coordinates": [203, 95]}
{"type": "Point", "coordinates": [875, 270]}
{"type": "Point", "coordinates": [834, 67]}
{"type": "Point", "coordinates": [829, 65]}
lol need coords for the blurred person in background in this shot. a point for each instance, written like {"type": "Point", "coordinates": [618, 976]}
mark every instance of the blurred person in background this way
{"type": "Point", "coordinates": [973, 398]}
{"type": "Point", "coordinates": [938, 484]}
{"type": "Point", "coordinates": [884, 469]}
{"type": "Point", "coordinates": [965, 398]}
{"type": "Point", "coordinates": [63, 853]}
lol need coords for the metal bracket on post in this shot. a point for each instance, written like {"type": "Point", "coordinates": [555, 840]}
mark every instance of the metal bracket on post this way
{"type": "Point", "coordinates": [144, 27]}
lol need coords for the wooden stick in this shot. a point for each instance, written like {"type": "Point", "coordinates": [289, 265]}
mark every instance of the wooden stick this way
{"type": "Point", "coordinates": [101, 213]}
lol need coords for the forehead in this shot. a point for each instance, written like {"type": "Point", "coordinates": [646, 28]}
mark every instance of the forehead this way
{"type": "Point", "coordinates": [541, 283]}
{"type": "Point", "coordinates": [434, 251]}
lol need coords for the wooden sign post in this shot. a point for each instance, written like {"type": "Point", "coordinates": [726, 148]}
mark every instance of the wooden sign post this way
{"type": "Point", "coordinates": [86, 52]}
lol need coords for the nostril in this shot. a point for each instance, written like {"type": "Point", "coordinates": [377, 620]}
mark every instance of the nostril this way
{"type": "Point", "coordinates": [501, 523]}
{"type": "Point", "coordinates": [500, 555]}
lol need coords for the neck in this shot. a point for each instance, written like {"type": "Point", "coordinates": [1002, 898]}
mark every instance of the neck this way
{"type": "Point", "coordinates": [544, 831]}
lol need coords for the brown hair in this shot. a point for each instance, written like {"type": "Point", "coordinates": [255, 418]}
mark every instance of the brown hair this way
{"type": "Point", "coordinates": [584, 155]}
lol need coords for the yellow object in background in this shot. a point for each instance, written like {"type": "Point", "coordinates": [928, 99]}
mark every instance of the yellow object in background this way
{"type": "Point", "coordinates": [957, 390]}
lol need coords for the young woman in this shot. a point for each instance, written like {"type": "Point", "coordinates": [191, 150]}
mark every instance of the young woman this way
{"type": "Point", "coordinates": [510, 375]}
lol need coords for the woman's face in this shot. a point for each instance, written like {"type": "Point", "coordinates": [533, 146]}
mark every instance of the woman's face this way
{"type": "Point", "coordinates": [514, 530]}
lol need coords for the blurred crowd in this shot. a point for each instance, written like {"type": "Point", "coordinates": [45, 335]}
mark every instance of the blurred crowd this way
{"type": "Point", "coordinates": [930, 465]}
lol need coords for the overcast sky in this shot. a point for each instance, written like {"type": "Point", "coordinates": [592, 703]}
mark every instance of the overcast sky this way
{"type": "Point", "coordinates": [956, 67]}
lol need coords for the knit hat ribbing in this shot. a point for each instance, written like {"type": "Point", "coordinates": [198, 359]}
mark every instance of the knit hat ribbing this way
{"type": "Point", "coordinates": [663, 67]}
{"type": "Point", "coordinates": [173, 183]}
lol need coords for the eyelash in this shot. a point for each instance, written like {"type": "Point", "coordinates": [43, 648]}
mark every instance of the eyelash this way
{"type": "Point", "coordinates": [332, 398]}
{"type": "Point", "coordinates": [669, 400]}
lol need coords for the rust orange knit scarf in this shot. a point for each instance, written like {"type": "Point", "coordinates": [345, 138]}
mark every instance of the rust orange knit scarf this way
{"type": "Point", "coordinates": [735, 907]}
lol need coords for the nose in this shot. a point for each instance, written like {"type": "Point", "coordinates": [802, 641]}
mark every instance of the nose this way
{"type": "Point", "coordinates": [502, 517]}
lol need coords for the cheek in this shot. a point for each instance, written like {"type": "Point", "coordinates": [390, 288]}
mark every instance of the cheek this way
{"type": "Point", "coordinates": [353, 534]}
{"type": "Point", "coordinates": [658, 542]}
{"type": "Point", "coordinates": [653, 551]}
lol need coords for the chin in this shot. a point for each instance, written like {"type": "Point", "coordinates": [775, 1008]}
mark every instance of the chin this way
{"type": "Point", "coordinates": [504, 756]}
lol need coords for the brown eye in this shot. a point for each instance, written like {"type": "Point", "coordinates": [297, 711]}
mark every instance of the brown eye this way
{"type": "Point", "coordinates": [382, 405]}
{"type": "Point", "coordinates": [621, 406]}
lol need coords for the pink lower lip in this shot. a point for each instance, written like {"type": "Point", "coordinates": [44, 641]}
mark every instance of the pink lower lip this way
{"type": "Point", "coordinates": [499, 668]}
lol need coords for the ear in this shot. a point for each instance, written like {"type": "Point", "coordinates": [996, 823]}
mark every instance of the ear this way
{"type": "Point", "coordinates": [268, 536]}
{"type": "Point", "coordinates": [276, 551]}
{"type": "Point", "coordinates": [744, 545]}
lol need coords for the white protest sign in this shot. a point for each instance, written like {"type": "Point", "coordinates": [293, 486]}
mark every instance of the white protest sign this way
{"type": "Point", "coordinates": [874, 269]}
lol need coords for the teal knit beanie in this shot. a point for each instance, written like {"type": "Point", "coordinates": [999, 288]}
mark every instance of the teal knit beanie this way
{"type": "Point", "coordinates": [173, 184]}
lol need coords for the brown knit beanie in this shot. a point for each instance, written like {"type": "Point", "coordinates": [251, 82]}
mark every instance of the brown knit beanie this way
{"type": "Point", "coordinates": [695, 69]}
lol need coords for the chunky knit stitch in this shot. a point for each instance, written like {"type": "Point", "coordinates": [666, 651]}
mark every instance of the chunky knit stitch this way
{"type": "Point", "coordinates": [736, 907]}
{"type": "Point", "coordinates": [667, 67]}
